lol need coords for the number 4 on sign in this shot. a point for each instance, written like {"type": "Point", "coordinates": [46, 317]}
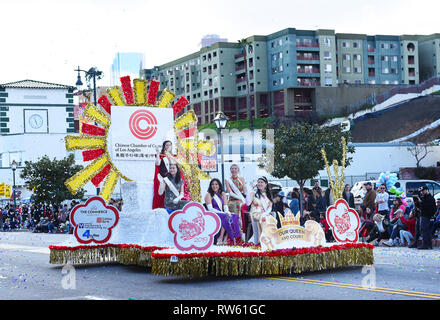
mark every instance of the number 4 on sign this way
{"type": "Point", "coordinates": [86, 234]}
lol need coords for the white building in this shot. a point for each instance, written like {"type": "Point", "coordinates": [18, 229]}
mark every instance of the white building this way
{"type": "Point", "coordinates": [35, 117]}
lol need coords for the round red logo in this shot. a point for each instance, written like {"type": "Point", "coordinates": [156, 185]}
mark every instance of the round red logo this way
{"type": "Point", "coordinates": [143, 124]}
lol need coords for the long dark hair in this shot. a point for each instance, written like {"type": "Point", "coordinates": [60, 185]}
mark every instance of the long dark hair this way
{"type": "Point", "coordinates": [163, 145]}
{"type": "Point", "coordinates": [220, 187]}
{"type": "Point", "coordinates": [177, 177]}
{"type": "Point", "coordinates": [268, 193]}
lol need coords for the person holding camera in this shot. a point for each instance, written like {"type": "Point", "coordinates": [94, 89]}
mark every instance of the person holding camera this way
{"type": "Point", "coordinates": [425, 202]}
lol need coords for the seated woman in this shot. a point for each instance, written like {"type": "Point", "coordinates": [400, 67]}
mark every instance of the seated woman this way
{"type": "Point", "coordinates": [216, 201]}
{"type": "Point", "coordinates": [173, 188]}
{"type": "Point", "coordinates": [164, 158]}
{"type": "Point", "coordinates": [261, 205]}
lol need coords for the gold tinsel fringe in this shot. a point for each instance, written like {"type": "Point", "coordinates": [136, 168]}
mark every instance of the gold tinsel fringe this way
{"type": "Point", "coordinates": [263, 266]}
{"type": "Point", "coordinates": [126, 256]}
{"type": "Point", "coordinates": [218, 266]}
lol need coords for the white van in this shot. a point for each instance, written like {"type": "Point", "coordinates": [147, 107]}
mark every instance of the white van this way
{"type": "Point", "coordinates": [409, 188]}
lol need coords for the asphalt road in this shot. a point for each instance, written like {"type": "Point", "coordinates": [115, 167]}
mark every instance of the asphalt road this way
{"type": "Point", "coordinates": [25, 273]}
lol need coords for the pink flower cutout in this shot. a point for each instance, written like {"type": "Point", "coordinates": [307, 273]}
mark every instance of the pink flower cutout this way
{"type": "Point", "coordinates": [344, 221]}
{"type": "Point", "coordinates": [193, 227]}
{"type": "Point", "coordinates": [94, 221]}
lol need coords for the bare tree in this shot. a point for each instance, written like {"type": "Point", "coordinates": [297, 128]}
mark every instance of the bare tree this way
{"type": "Point", "coordinates": [420, 151]}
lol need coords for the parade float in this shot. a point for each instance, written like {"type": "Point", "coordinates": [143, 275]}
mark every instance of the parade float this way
{"type": "Point", "coordinates": [130, 123]}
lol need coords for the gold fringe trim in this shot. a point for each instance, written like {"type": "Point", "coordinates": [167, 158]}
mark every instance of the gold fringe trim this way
{"type": "Point", "coordinates": [263, 266]}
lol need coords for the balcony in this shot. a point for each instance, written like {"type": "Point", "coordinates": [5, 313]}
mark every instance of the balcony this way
{"type": "Point", "coordinates": [303, 70]}
{"type": "Point", "coordinates": [303, 99]}
{"type": "Point", "coordinates": [411, 74]}
{"type": "Point", "coordinates": [242, 79]}
{"type": "Point", "coordinates": [370, 49]}
{"type": "Point", "coordinates": [371, 74]}
{"type": "Point", "coordinates": [237, 56]}
{"type": "Point", "coordinates": [240, 67]}
{"type": "Point", "coordinates": [301, 57]}
{"type": "Point", "coordinates": [370, 61]}
{"type": "Point", "coordinates": [309, 83]}
{"type": "Point", "coordinates": [307, 44]}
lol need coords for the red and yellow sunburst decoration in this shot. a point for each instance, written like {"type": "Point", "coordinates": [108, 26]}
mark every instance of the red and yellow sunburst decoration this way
{"type": "Point", "coordinates": [93, 138]}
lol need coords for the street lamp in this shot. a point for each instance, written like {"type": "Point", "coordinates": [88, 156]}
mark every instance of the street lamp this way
{"type": "Point", "coordinates": [94, 73]}
{"type": "Point", "coordinates": [220, 122]}
{"type": "Point", "coordinates": [13, 167]}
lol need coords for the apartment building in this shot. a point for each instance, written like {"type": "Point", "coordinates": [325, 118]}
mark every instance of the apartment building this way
{"type": "Point", "coordinates": [429, 56]}
{"type": "Point", "coordinates": [279, 74]}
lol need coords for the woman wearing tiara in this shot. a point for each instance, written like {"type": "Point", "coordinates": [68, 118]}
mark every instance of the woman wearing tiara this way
{"type": "Point", "coordinates": [261, 205]}
{"type": "Point", "coordinates": [164, 158]}
{"type": "Point", "coordinates": [236, 187]}
{"type": "Point", "coordinates": [216, 201]}
{"type": "Point", "coordinates": [171, 187]}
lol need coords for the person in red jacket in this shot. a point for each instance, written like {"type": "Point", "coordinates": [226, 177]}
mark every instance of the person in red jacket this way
{"type": "Point", "coordinates": [408, 235]}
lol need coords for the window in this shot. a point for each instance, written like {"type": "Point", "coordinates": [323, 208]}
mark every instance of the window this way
{"type": "Point", "coordinates": [412, 187]}
{"type": "Point", "coordinates": [357, 57]}
{"type": "Point", "coordinates": [214, 54]}
{"type": "Point", "coordinates": [347, 69]}
{"type": "Point", "coordinates": [384, 45]}
{"type": "Point", "coordinates": [280, 42]}
{"type": "Point", "coordinates": [346, 57]}
{"type": "Point", "coordinates": [281, 55]}
{"type": "Point", "coordinates": [327, 42]}
{"type": "Point", "coordinates": [281, 68]}
{"type": "Point", "coordinates": [384, 58]}
{"type": "Point", "coordinates": [274, 83]}
{"type": "Point", "coordinates": [274, 57]}
{"type": "Point", "coordinates": [345, 44]}
{"type": "Point", "coordinates": [355, 45]}
{"type": "Point", "coordinates": [328, 81]}
{"type": "Point", "coordinates": [327, 55]}
{"type": "Point", "coordinates": [357, 70]}
{"type": "Point", "coordinates": [385, 70]}
{"type": "Point", "coordinates": [328, 68]}
{"type": "Point", "coordinates": [394, 58]}
{"type": "Point", "coordinates": [282, 81]}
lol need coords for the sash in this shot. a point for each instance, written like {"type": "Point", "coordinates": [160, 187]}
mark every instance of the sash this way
{"type": "Point", "coordinates": [171, 186]}
{"type": "Point", "coordinates": [218, 201]}
{"type": "Point", "coordinates": [235, 190]}
{"type": "Point", "coordinates": [264, 202]}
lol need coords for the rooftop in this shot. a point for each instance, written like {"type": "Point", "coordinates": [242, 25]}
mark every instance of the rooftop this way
{"type": "Point", "coordinates": [33, 84]}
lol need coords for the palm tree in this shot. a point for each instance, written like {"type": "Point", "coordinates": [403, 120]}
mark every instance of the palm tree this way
{"type": "Point", "coordinates": [243, 44]}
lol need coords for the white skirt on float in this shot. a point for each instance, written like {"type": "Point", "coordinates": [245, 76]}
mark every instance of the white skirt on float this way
{"type": "Point", "coordinates": [138, 222]}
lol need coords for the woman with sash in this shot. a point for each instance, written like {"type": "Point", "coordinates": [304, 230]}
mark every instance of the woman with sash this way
{"type": "Point", "coordinates": [236, 187]}
{"type": "Point", "coordinates": [261, 205]}
{"type": "Point", "coordinates": [163, 160]}
{"type": "Point", "coordinates": [216, 201]}
{"type": "Point", "coordinates": [171, 187]}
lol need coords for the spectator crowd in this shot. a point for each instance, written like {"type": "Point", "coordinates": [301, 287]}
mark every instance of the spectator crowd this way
{"type": "Point", "coordinates": [385, 219]}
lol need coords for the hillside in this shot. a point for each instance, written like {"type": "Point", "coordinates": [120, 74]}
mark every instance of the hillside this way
{"type": "Point", "coordinates": [399, 121]}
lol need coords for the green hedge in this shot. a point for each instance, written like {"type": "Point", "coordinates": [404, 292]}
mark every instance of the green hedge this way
{"type": "Point", "coordinates": [258, 123]}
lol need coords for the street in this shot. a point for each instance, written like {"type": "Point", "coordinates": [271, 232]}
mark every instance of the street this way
{"type": "Point", "coordinates": [25, 273]}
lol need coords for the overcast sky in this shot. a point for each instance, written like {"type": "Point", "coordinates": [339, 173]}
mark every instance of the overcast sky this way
{"type": "Point", "coordinates": [47, 40]}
